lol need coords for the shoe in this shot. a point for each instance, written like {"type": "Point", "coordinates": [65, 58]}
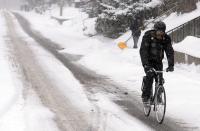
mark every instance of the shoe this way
{"type": "Point", "coordinates": [146, 100]}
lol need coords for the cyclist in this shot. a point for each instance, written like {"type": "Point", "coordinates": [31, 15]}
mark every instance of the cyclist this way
{"type": "Point", "coordinates": [154, 43]}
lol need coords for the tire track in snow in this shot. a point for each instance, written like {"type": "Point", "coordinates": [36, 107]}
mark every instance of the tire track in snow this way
{"type": "Point", "coordinates": [68, 118]}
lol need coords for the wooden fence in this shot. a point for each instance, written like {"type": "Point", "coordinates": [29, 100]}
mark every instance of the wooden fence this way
{"type": "Point", "coordinates": [185, 58]}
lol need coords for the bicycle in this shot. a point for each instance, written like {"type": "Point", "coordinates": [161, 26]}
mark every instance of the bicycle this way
{"type": "Point", "coordinates": [157, 99]}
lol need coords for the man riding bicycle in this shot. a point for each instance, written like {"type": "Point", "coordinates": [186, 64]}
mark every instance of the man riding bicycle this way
{"type": "Point", "coordinates": [154, 43]}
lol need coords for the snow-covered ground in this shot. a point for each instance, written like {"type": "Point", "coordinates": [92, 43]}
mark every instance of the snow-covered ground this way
{"type": "Point", "coordinates": [104, 57]}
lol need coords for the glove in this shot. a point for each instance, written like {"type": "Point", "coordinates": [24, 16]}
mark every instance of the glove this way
{"type": "Point", "coordinates": [170, 69]}
{"type": "Point", "coordinates": [148, 69]}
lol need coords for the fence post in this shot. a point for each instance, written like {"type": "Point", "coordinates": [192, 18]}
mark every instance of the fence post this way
{"type": "Point", "coordinates": [183, 31]}
{"type": "Point", "coordinates": [186, 58]}
{"type": "Point", "coordinates": [194, 27]}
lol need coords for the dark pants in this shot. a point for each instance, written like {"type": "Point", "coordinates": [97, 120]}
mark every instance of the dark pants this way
{"type": "Point", "coordinates": [148, 79]}
{"type": "Point", "coordinates": [135, 40]}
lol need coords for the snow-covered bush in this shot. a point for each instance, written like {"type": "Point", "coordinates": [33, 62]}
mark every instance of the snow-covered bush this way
{"type": "Point", "coordinates": [117, 16]}
{"type": "Point", "coordinates": [112, 25]}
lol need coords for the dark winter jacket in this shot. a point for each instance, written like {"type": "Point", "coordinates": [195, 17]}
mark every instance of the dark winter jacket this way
{"type": "Point", "coordinates": [135, 28]}
{"type": "Point", "coordinates": [152, 49]}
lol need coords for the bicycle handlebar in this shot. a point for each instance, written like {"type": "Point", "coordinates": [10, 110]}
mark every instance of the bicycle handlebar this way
{"type": "Point", "coordinates": [159, 71]}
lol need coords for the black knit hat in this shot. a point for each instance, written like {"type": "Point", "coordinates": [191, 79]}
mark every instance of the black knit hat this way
{"type": "Point", "coordinates": [160, 26]}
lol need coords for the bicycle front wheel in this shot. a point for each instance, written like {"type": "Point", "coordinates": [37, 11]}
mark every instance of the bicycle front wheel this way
{"type": "Point", "coordinates": [160, 104]}
{"type": "Point", "coordinates": [147, 109]}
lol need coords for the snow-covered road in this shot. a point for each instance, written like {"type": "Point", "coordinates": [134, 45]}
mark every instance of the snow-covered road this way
{"type": "Point", "coordinates": [67, 117]}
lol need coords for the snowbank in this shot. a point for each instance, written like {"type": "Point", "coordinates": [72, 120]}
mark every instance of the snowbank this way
{"type": "Point", "coordinates": [190, 45]}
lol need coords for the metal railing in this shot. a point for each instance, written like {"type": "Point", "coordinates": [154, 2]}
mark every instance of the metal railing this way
{"type": "Point", "coordinates": [190, 28]}
{"type": "Point", "coordinates": [164, 14]}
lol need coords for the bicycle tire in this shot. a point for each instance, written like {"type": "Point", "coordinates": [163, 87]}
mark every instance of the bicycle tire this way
{"type": "Point", "coordinates": [147, 109]}
{"type": "Point", "coordinates": [160, 106]}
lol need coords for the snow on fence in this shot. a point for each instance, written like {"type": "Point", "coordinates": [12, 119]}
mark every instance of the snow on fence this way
{"type": "Point", "coordinates": [190, 28]}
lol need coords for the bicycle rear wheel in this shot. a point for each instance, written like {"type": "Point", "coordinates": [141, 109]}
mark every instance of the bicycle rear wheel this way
{"type": "Point", "coordinates": [160, 104]}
